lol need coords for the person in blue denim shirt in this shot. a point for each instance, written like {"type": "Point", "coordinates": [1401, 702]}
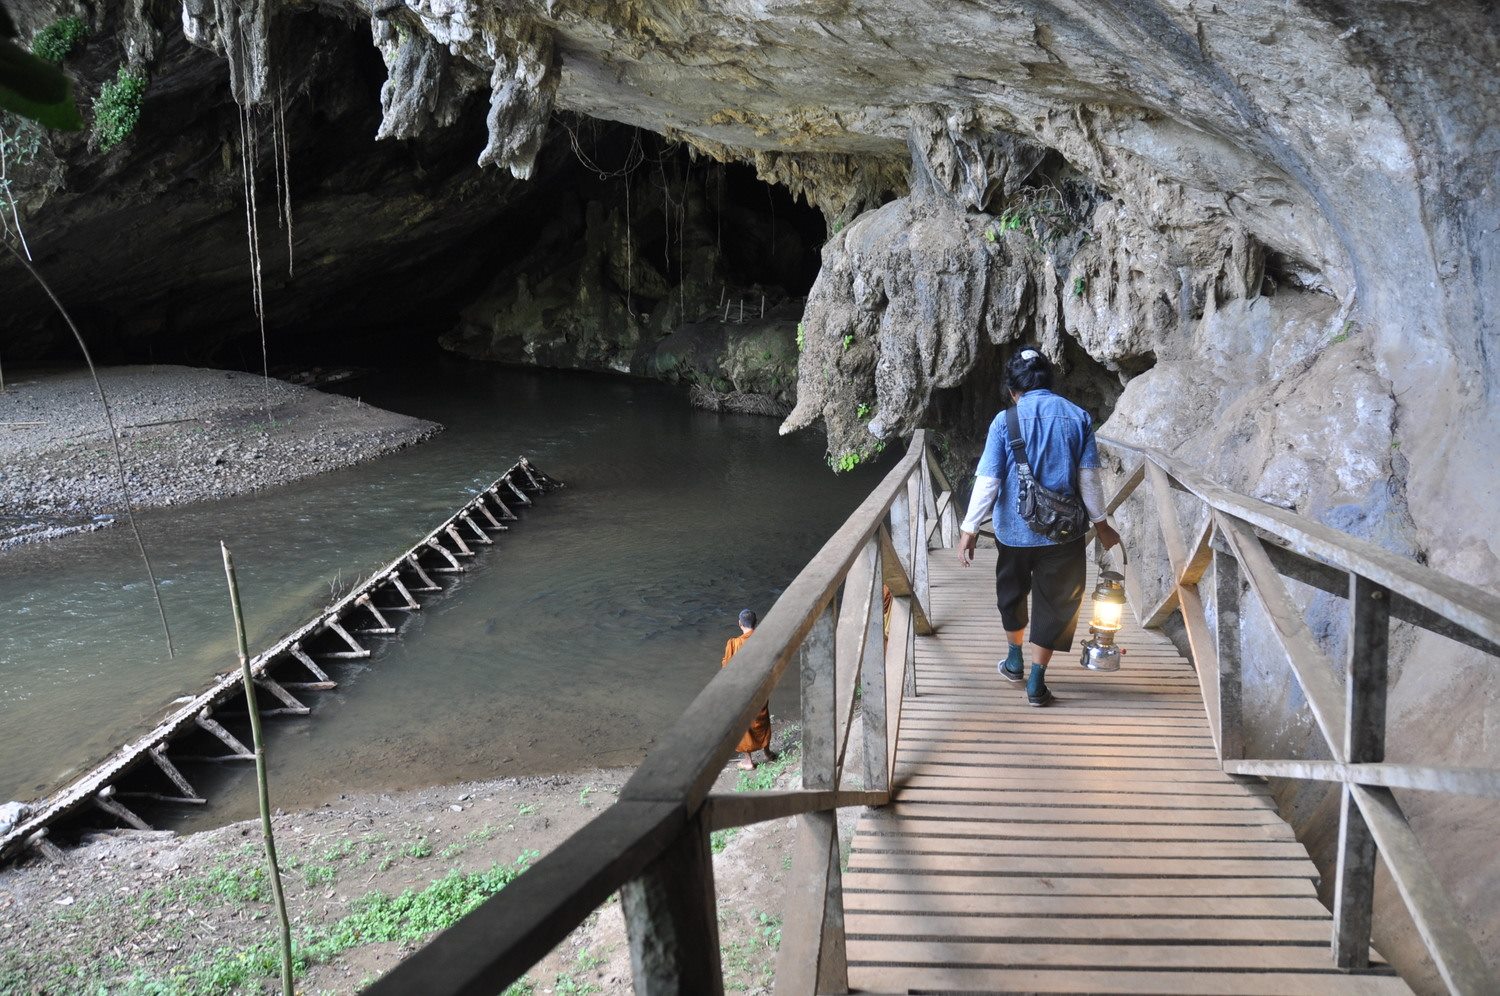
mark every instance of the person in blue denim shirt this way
{"type": "Point", "coordinates": [1059, 438]}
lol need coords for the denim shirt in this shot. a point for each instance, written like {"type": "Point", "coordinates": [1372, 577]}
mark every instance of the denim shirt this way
{"type": "Point", "coordinates": [1059, 439]}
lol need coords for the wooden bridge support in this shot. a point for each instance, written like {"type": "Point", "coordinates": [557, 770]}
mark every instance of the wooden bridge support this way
{"type": "Point", "coordinates": [346, 614]}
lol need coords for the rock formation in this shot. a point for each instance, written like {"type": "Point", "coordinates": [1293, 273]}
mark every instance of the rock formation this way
{"type": "Point", "coordinates": [1259, 235]}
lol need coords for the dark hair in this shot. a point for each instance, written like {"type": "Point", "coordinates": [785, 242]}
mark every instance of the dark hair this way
{"type": "Point", "coordinates": [1028, 370]}
{"type": "Point", "coordinates": [748, 618]}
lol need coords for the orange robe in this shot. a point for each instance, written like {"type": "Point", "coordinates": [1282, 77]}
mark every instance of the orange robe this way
{"type": "Point", "coordinates": [758, 737]}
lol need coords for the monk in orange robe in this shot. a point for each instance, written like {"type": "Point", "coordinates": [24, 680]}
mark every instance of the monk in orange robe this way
{"type": "Point", "coordinates": [758, 737]}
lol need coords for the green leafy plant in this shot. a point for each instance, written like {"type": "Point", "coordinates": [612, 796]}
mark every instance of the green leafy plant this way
{"type": "Point", "coordinates": [1079, 286]}
{"type": "Point", "coordinates": [989, 236]}
{"type": "Point", "coordinates": [57, 40]}
{"type": "Point", "coordinates": [452, 851]}
{"type": "Point", "coordinates": [418, 848]}
{"type": "Point", "coordinates": [862, 411]}
{"type": "Point", "coordinates": [800, 330]}
{"type": "Point", "coordinates": [848, 341]}
{"type": "Point", "coordinates": [845, 463]}
{"type": "Point", "coordinates": [583, 794]}
{"type": "Point", "coordinates": [316, 875]}
{"type": "Point", "coordinates": [342, 849]}
{"type": "Point", "coordinates": [117, 109]}
{"type": "Point", "coordinates": [768, 926]}
{"type": "Point", "coordinates": [33, 87]}
{"type": "Point", "coordinates": [1044, 212]}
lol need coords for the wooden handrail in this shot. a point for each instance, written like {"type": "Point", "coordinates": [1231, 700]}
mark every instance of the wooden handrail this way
{"type": "Point", "coordinates": [652, 843]}
{"type": "Point", "coordinates": [692, 753]}
{"type": "Point", "coordinates": [1475, 609]}
{"type": "Point", "coordinates": [1379, 586]}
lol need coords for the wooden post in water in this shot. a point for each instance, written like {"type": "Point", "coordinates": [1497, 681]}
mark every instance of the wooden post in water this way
{"type": "Point", "coordinates": [260, 774]}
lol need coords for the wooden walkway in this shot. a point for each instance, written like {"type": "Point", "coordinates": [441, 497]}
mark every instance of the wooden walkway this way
{"type": "Point", "coordinates": [1093, 846]}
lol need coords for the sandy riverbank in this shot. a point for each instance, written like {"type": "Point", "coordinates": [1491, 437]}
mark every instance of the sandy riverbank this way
{"type": "Point", "coordinates": [158, 913]}
{"type": "Point", "coordinates": [187, 435]}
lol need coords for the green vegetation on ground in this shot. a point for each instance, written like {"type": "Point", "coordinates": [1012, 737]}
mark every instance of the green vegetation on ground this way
{"type": "Point", "coordinates": [375, 918]}
{"type": "Point", "coordinates": [762, 779]}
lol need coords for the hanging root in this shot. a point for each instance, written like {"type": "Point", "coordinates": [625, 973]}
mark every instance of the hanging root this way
{"type": "Point", "coordinates": [114, 437]}
{"type": "Point", "coordinates": [248, 157]}
{"type": "Point", "coordinates": [286, 173]}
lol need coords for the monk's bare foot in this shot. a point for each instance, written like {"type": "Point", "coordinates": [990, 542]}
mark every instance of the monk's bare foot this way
{"type": "Point", "coordinates": [746, 764]}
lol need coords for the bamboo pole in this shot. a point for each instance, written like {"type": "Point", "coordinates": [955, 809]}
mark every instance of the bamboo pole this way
{"type": "Point", "coordinates": [260, 774]}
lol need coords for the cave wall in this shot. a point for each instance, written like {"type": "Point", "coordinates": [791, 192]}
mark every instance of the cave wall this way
{"type": "Point", "coordinates": [147, 246]}
{"type": "Point", "coordinates": [1271, 250]}
{"type": "Point", "coordinates": [656, 265]}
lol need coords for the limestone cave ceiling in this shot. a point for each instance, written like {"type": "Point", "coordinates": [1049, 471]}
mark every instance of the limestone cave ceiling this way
{"type": "Point", "coordinates": [1211, 192]}
{"type": "Point", "coordinates": [1330, 137]}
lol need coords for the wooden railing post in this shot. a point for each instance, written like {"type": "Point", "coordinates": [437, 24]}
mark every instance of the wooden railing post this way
{"type": "Point", "coordinates": [1364, 743]}
{"type": "Point", "coordinates": [901, 528]}
{"type": "Point", "coordinates": [921, 591]}
{"type": "Point", "coordinates": [872, 681]}
{"type": "Point", "coordinates": [812, 955]}
{"type": "Point", "coordinates": [671, 919]}
{"type": "Point", "coordinates": [1227, 590]}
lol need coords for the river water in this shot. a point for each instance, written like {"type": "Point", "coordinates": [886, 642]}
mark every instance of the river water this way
{"type": "Point", "coordinates": [574, 642]}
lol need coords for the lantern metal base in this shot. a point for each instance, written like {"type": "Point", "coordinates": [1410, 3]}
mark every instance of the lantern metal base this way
{"type": "Point", "coordinates": [1100, 657]}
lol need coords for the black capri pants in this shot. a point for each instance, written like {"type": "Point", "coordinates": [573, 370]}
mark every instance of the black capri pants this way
{"type": "Point", "coordinates": [1054, 577]}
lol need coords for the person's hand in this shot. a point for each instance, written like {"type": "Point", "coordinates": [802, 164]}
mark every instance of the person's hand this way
{"type": "Point", "coordinates": [1107, 534]}
{"type": "Point", "coordinates": [966, 544]}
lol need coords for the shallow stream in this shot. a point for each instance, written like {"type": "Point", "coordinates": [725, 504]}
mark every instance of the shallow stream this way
{"type": "Point", "coordinates": [573, 642]}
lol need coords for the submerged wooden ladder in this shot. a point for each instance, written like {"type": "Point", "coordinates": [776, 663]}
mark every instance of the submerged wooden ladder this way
{"type": "Point", "coordinates": [1119, 841]}
{"type": "Point", "coordinates": [294, 665]}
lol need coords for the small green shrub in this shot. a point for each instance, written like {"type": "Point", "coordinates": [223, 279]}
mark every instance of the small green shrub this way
{"type": "Point", "coordinates": [117, 109]}
{"type": "Point", "coordinates": [57, 40]}
{"type": "Point", "coordinates": [848, 341]}
{"type": "Point", "coordinates": [1079, 286]}
{"type": "Point", "coordinates": [316, 875]}
{"type": "Point", "coordinates": [862, 411]}
{"type": "Point", "coordinates": [800, 329]}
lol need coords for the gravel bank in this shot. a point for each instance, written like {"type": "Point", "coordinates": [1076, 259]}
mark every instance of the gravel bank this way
{"type": "Point", "coordinates": [187, 435]}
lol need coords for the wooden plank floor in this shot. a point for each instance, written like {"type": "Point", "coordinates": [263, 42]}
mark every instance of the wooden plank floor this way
{"type": "Point", "coordinates": [1093, 846]}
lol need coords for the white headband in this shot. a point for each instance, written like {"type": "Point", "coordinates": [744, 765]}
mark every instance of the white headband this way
{"type": "Point", "coordinates": [1029, 354]}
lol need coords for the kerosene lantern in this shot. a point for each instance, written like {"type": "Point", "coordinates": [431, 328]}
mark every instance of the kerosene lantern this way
{"type": "Point", "coordinates": [1100, 652]}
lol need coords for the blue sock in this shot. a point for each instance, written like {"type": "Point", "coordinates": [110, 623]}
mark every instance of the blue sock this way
{"type": "Point", "coordinates": [1014, 662]}
{"type": "Point", "coordinates": [1037, 681]}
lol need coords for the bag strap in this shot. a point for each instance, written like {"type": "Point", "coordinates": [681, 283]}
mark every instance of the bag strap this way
{"type": "Point", "coordinates": [1017, 444]}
